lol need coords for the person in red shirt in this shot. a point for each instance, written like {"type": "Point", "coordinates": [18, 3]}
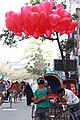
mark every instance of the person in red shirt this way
{"type": "Point", "coordinates": [15, 90]}
{"type": "Point", "coordinates": [16, 86]}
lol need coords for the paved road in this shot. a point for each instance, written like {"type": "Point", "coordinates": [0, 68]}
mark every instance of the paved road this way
{"type": "Point", "coordinates": [19, 111]}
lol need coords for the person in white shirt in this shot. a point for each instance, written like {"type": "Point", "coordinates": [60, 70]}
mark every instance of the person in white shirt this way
{"type": "Point", "coordinates": [71, 99]}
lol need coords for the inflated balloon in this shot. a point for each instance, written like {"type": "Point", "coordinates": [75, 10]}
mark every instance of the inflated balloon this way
{"type": "Point", "coordinates": [25, 10]}
{"type": "Point", "coordinates": [63, 24]}
{"type": "Point", "coordinates": [43, 17]}
{"type": "Point", "coordinates": [63, 13]}
{"type": "Point", "coordinates": [29, 27]}
{"type": "Point", "coordinates": [56, 28]}
{"type": "Point", "coordinates": [9, 14]}
{"type": "Point", "coordinates": [41, 29]}
{"type": "Point", "coordinates": [14, 23]}
{"type": "Point", "coordinates": [54, 12]}
{"type": "Point", "coordinates": [10, 24]}
{"type": "Point", "coordinates": [40, 19]}
{"type": "Point", "coordinates": [33, 17]}
{"type": "Point", "coordinates": [63, 31]}
{"type": "Point", "coordinates": [54, 19]}
{"type": "Point", "coordinates": [73, 25]}
{"type": "Point", "coordinates": [18, 34]}
{"type": "Point", "coordinates": [59, 6]}
{"type": "Point", "coordinates": [45, 6]}
{"type": "Point", "coordinates": [48, 33]}
{"type": "Point", "coordinates": [48, 25]}
{"type": "Point", "coordinates": [36, 35]}
{"type": "Point", "coordinates": [36, 8]}
{"type": "Point", "coordinates": [69, 31]}
{"type": "Point", "coordinates": [17, 18]}
{"type": "Point", "coordinates": [26, 33]}
{"type": "Point", "coordinates": [51, 5]}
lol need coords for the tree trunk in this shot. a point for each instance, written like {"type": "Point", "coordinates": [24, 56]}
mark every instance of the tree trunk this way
{"type": "Point", "coordinates": [64, 60]}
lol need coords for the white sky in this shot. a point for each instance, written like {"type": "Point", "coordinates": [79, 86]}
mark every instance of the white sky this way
{"type": "Point", "coordinates": [13, 54]}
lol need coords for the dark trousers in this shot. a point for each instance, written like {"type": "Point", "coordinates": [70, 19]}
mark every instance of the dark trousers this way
{"type": "Point", "coordinates": [29, 99]}
{"type": "Point", "coordinates": [42, 114]}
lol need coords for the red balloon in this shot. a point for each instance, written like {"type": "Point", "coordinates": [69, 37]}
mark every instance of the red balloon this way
{"type": "Point", "coordinates": [63, 13]}
{"type": "Point", "coordinates": [9, 14]}
{"type": "Point", "coordinates": [17, 18]}
{"type": "Point", "coordinates": [59, 9]}
{"type": "Point", "coordinates": [36, 8]}
{"type": "Point", "coordinates": [65, 22]}
{"type": "Point", "coordinates": [26, 33]}
{"type": "Point", "coordinates": [59, 6]}
{"type": "Point", "coordinates": [41, 29]}
{"type": "Point", "coordinates": [53, 12]}
{"type": "Point", "coordinates": [62, 32]}
{"type": "Point", "coordinates": [70, 31]}
{"type": "Point", "coordinates": [25, 10]}
{"type": "Point", "coordinates": [18, 34]}
{"type": "Point", "coordinates": [36, 35]}
{"type": "Point", "coordinates": [43, 17]}
{"type": "Point", "coordinates": [54, 19]}
{"type": "Point", "coordinates": [10, 24]}
{"type": "Point", "coordinates": [51, 5]}
{"type": "Point", "coordinates": [29, 27]}
{"type": "Point", "coordinates": [45, 6]}
{"type": "Point", "coordinates": [72, 25]}
{"type": "Point", "coordinates": [33, 17]}
{"type": "Point", "coordinates": [48, 33]}
{"type": "Point", "coordinates": [56, 28]}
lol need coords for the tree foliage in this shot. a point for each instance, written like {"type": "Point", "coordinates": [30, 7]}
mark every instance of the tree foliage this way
{"type": "Point", "coordinates": [35, 58]}
{"type": "Point", "coordinates": [10, 39]}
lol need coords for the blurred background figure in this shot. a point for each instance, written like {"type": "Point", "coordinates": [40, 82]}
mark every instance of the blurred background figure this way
{"type": "Point", "coordinates": [28, 93]}
{"type": "Point", "coordinates": [2, 89]}
{"type": "Point", "coordinates": [8, 87]}
{"type": "Point", "coordinates": [15, 90]}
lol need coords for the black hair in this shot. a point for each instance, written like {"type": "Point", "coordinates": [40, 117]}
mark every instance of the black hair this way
{"type": "Point", "coordinates": [39, 78]}
{"type": "Point", "coordinates": [40, 81]}
{"type": "Point", "coordinates": [60, 90]}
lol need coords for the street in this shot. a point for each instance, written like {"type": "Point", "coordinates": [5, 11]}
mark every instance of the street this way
{"type": "Point", "coordinates": [19, 111]}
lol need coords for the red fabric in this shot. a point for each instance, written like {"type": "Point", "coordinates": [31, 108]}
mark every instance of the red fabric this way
{"type": "Point", "coordinates": [16, 87]}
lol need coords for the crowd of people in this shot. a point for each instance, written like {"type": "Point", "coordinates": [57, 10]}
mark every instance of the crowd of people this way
{"type": "Point", "coordinates": [16, 89]}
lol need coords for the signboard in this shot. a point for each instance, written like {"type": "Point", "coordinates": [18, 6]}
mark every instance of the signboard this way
{"type": "Point", "coordinates": [71, 65]}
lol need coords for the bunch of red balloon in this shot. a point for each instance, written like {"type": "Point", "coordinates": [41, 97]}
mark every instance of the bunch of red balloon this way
{"type": "Point", "coordinates": [40, 19]}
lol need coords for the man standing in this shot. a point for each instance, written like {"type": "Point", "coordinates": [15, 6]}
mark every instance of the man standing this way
{"type": "Point", "coordinates": [41, 100]}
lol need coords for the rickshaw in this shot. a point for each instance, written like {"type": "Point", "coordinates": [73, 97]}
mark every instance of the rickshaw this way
{"type": "Point", "coordinates": [54, 81]}
{"type": "Point", "coordinates": [5, 97]}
